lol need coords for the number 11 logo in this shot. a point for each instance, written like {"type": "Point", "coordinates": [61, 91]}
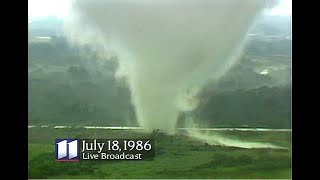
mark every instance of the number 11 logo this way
{"type": "Point", "coordinates": [67, 150]}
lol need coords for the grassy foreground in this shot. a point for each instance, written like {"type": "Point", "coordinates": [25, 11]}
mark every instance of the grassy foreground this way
{"type": "Point", "coordinates": [175, 157]}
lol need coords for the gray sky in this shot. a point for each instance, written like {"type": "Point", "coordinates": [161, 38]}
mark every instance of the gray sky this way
{"type": "Point", "coordinates": [60, 8]}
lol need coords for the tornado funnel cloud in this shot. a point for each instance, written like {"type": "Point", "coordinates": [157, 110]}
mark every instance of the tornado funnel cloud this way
{"type": "Point", "coordinates": [167, 49]}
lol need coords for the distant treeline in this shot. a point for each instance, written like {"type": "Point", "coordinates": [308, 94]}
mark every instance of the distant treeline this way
{"type": "Point", "coordinates": [268, 107]}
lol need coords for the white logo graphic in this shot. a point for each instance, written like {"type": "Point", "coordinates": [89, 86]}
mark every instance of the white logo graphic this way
{"type": "Point", "coordinates": [67, 150]}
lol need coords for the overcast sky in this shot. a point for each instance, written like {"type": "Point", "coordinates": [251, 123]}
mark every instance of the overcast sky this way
{"type": "Point", "coordinates": [60, 8]}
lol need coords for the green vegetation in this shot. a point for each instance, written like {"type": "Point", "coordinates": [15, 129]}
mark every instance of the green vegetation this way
{"type": "Point", "coordinates": [261, 107]}
{"type": "Point", "coordinates": [175, 157]}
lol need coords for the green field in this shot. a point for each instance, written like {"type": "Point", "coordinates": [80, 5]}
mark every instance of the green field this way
{"type": "Point", "coordinates": [176, 157]}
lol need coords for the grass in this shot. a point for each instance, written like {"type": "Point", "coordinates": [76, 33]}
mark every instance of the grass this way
{"type": "Point", "coordinates": [175, 157]}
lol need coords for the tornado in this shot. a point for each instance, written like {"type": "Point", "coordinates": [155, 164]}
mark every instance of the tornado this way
{"type": "Point", "coordinates": [167, 50]}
